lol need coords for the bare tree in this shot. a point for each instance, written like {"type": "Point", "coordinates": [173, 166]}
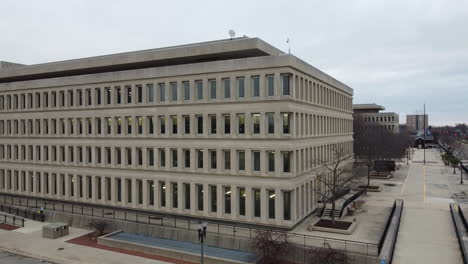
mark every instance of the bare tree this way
{"type": "Point", "coordinates": [271, 246]}
{"type": "Point", "coordinates": [99, 226]}
{"type": "Point", "coordinates": [327, 255]}
{"type": "Point", "coordinates": [336, 176]}
{"type": "Point", "coordinates": [374, 142]}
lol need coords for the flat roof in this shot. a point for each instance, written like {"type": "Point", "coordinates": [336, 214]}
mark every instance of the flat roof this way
{"type": "Point", "coordinates": [372, 106]}
{"type": "Point", "coordinates": [226, 49]}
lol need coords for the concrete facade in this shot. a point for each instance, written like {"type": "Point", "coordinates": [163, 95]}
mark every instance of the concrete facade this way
{"type": "Point", "coordinates": [372, 115]}
{"type": "Point", "coordinates": [228, 130]}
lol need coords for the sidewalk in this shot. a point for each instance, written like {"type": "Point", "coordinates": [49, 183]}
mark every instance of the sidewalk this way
{"type": "Point", "coordinates": [28, 242]}
{"type": "Point", "coordinates": [426, 232]}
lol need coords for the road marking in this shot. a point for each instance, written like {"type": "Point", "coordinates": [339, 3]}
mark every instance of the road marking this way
{"type": "Point", "coordinates": [404, 183]}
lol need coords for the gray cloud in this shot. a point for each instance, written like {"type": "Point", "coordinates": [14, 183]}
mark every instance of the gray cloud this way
{"type": "Point", "coordinates": [396, 53]}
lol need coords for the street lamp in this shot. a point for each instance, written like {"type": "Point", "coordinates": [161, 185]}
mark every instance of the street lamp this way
{"type": "Point", "coordinates": [461, 172]}
{"type": "Point", "coordinates": [201, 237]}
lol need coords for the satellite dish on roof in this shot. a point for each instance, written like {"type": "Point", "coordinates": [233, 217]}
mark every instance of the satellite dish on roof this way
{"type": "Point", "coordinates": [232, 33]}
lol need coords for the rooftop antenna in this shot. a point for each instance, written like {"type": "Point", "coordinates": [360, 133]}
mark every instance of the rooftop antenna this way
{"type": "Point", "coordinates": [289, 45]}
{"type": "Point", "coordinates": [232, 33]}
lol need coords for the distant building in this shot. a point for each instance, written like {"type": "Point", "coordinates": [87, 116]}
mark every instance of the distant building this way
{"type": "Point", "coordinates": [415, 123]}
{"type": "Point", "coordinates": [371, 114]}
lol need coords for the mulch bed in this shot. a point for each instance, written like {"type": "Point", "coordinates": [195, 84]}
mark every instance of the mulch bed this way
{"type": "Point", "coordinates": [329, 224]}
{"type": "Point", "coordinates": [89, 241]}
{"type": "Point", "coordinates": [8, 227]}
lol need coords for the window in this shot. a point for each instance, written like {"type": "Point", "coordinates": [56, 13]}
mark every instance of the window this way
{"type": "Point", "coordinates": [140, 124]}
{"type": "Point", "coordinates": [162, 157]}
{"type": "Point", "coordinates": [108, 95]}
{"type": "Point", "coordinates": [213, 124]}
{"type": "Point", "coordinates": [257, 208]}
{"type": "Point", "coordinates": [128, 90]}
{"type": "Point", "coordinates": [200, 124]}
{"type": "Point", "coordinates": [227, 159]}
{"type": "Point", "coordinates": [199, 158]}
{"type": "Point", "coordinates": [200, 197]}
{"type": "Point", "coordinates": [174, 91]}
{"type": "Point", "coordinates": [271, 204]}
{"type": "Point", "coordinates": [214, 200]}
{"type": "Point", "coordinates": [128, 152]}
{"type": "Point", "coordinates": [119, 125]}
{"type": "Point", "coordinates": [213, 159]}
{"type": "Point", "coordinates": [174, 188]}
{"type": "Point", "coordinates": [227, 199]}
{"type": "Point", "coordinates": [255, 86]}
{"type": "Point", "coordinates": [286, 161]}
{"type": "Point", "coordinates": [271, 161]}
{"type": "Point", "coordinates": [139, 94]}
{"type": "Point", "coordinates": [186, 86]}
{"type": "Point", "coordinates": [187, 124]}
{"type": "Point", "coordinates": [241, 121]}
{"type": "Point", "coordinates": [150, 125]}
{"type": "Point", "coordinates": [271, 85]}
{"type": "Point", "coordinates": [150, 157]}
{"type": "Point", "coordinates": [287, 205]}
{"type": "Point", "coordinates": [227, 124]}
{"type": "Point", "coordinates": [139, 156]}
{"type": "Point", "coordinates": [162, 191]}
{"type": "Point", "coordinates": [241, 160]}
{"type": "Point", "coordinates": [286, 125]}
{"type": "Point", "coordinates": [256, 123]}
{"type": "Point", "coordinates": [174, 124]}
{"type": "Point", "coordinates": [187, 158]}
{"type": "Point", "coordinates": [199, 86]}
{"type": "Point", "coordinates": [162, 92]}
{"type": "Point", "coordinates": [242, 195]}
{"type": "Point", "coordinates": [227, 88]}
{"type": "Point", "coordinates": [129, 125]}
{"type": "Point", "coordinates": [97, 92]}
{"type": "Point", "coordinates": [118, 93]}
{"type": "Point", "coordinates": [212, 89]}
{"type": "Point", "coordinates": [162, 125]}
{"type": "Point", "coordinates": [174, 158]}
{"type": "Point", "coordinates": [241, 87]}
{"type": "Point", "coordinates": [285, 83]}
{"type": "Point", "coordinates": [256, 160]}
{"type": "Point", "coordinates": [271, 123]}
{"type": "Point", "coordinates": [187, 195]}
{"type": "Point", "coordinates": [150, 93]}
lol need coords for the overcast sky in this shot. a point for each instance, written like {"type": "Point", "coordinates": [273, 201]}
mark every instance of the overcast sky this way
{"type": "Point", "coordinates": [399, 54]}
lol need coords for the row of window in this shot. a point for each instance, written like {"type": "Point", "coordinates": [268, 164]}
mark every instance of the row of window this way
{"type": "Point", "coordinates": [164, 194]}
{"type": "Point", "coordinates": [268, 161]}
{"type": "Point", "coordinates": [195, 124]}
{"type": "Point", "coordinates": [379, 118]}
{"type": "Point", "coordinates": [178, 91]}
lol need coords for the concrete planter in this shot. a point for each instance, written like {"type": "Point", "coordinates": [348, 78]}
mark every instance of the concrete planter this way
{"type": "Point", "coordinates": [348, 231]}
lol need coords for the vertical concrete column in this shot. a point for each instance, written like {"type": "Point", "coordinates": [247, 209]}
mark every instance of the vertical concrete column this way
{"type": "Point", "coordinates": [134, 192]}
{"type": "Point", "coordinates": [206, 121]}
{"type": "Point", "coordinates": [168, 195]}
{"type": "Point", "coordinates": [263, 163]}
{"type": "Point", "coordinates": [248, 124]}
{"type": "Point", "coordinates": [263, 204]}
{"type": "Point", "coordinates": [193, 198]}
{"type": "Point", "coordinates": [278, 163]}
{"type": "Point", "coordinates": [248, 161]}
{"type": "Point", "coordinates": [85, 188]}
{"type": "Point", "coordinates": [94, 186]}
{"type": "Point", "coordinates": [206, 199]}
{"type": "Point", "coordinates": [193, 164]}
{"type": "Point", "coordinates": [220, 202]}
{"type": "Point", "coordinates": [180, 197]}
{"type": "Point", "coordinates": [145, 190]}
{"type": "Point", "coordinates": [219, 161]}
{"type": "Point", "coordinates": [192, 124]}
{"type": "Point", "coordinates": [248, 203]}
{"type": "Point", "coordinates": [279, 206]}
{"type": "Point", "coordinates": [43, 183]}
{"type": "Point", "coordinates": [157, 201]}
{"type": "Point", "coordinates": [234, 202]}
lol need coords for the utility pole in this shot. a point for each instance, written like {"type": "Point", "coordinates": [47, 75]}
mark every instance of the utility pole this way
{"type": "Point", "coordinates": [424, 133]}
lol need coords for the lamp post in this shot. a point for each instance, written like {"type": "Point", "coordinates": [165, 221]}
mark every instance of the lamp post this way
{"type": "Point", "coordinates": [407, 156]}
{"type": "Point", "coordinates": [201, 237]}
{"type": "Point", "coordinates": [461, 172]}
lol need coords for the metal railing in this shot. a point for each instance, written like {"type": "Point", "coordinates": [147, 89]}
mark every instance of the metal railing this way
{"type": "Point", "coordinates": [182, 222]}
{"type": "Point", "coordinates": [11, 219]}
{"type": "Point", "coordinates": [22, 212]}
{"type": "Point", "coordinates": [457, 215]}
{"type": "Point", "coordinates": [387, 225]}
{"type": "Point", "coordinates": [350, 200]}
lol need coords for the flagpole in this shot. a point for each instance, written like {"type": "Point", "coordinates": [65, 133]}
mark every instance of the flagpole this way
{"type": "Point", "coordinates": [424, 131]}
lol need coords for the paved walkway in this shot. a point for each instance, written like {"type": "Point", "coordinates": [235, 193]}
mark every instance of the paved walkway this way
{"type": "Point", "coordinates": [426, 231]}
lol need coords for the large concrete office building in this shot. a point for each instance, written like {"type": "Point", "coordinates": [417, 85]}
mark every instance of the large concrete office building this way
{"type": "Point", "coordinates": [228, 130]}
{"type": "Point", "coordinates": [371, 115]}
